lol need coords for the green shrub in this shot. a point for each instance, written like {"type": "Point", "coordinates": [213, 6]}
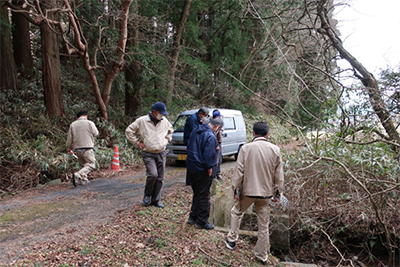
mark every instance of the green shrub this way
{"type": "Point", "coordinates": [33, 150]}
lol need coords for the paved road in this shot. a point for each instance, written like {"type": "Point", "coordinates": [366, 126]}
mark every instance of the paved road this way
{"type": "Point", "coordinates": [50, 212]}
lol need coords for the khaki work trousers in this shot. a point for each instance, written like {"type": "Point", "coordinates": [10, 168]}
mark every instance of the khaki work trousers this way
{"type": "Point", "coordinates": [87, 162]}
{"type": "Point", "coordinates": [262, 208]}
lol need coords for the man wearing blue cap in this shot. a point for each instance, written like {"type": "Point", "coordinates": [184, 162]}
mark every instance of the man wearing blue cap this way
{"type": "Point", "coordinates": [151, 133]}
{"type": "Point", "coordinates": [218, 152]}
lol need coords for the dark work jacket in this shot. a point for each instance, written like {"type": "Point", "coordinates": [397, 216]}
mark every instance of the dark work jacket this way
{"type": "Point", "coordinates": [201, 149]}
{"type": "Point", "coordinates": [191, 123]}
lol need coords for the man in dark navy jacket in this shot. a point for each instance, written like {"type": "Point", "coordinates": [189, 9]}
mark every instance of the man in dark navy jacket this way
{"type": "Point", "coordinates": [192, 123]}
{"type": "Point", "coordinates": [200, 161]}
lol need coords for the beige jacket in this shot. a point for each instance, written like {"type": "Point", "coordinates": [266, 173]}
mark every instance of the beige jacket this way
{"type": "Point", "coordinates": [81, 134]}
{"type": "Point", "coordinates": [259, 170]}
{"type": "Point", "coordinates": [154, 138]}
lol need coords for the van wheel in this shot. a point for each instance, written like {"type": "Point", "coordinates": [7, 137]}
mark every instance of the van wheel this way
{"type": "Point", "coordinates": [237, 154]}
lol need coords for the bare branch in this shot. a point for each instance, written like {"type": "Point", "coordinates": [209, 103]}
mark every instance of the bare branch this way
{"type": "Point", "coordinates": [373, 141]}
{"type": "Point", "coordinates": [337, 250]}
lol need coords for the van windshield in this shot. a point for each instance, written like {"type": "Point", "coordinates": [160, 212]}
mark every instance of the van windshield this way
{"type": "Point", "coordinates": [179, 125]}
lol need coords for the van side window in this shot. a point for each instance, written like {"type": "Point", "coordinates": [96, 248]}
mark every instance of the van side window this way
{"type": "Point", "coordinates": [229, 123]}
{"type": "Point", "coordinates": [179, 125]}
{"type": "Point", "coordinates": [240, 122]}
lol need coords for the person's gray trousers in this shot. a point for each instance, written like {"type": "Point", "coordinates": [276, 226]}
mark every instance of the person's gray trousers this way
{"type": "Point", "coordinates": [155, 167]}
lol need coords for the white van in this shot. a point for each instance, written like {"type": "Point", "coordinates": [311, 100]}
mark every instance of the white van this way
{"type": "Point", "coordinates": [233, 134]}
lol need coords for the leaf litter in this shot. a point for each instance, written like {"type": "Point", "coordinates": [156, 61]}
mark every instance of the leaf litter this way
{"type": "Point", "coordinates": [140, 236]}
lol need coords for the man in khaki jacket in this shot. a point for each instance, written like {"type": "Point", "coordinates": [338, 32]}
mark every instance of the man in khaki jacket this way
{"type": "Point", "coordinates": [81, 135]}
{"type": "Point", "coordinates": [151, 133]}
{"type": "Point", "coordinates": [257, 178]}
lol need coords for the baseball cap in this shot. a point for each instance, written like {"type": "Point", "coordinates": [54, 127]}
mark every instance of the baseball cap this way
{"type": "Point", "coordinates": [160, 106]}
{"type": "Point", "coordinates": [216, 113]}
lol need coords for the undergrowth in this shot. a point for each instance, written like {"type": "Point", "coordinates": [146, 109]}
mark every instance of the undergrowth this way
{"type": "Point", "coordinates": [344, 201]}
{"type": "Point", "coordinates": [33, 150]}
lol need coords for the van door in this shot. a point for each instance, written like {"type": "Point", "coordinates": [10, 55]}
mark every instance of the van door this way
{"type": "Point", "coordinates": [241, 129]}
{"type": "Point", "coordinates": [229, 137]}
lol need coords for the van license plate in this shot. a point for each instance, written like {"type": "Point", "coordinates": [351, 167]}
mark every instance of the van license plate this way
{"type": "Point", "coordinates": [182, 157]}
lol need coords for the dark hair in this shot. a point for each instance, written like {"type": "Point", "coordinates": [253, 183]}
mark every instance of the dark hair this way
{"type": "Point", "coordinates": [216, 114]}
{"type": "Point", "coordinates": [261, 128]}
{"type": "Point", "coordinates": [203, 111]}
{"type": "Point", "coordinates": [82, 113]}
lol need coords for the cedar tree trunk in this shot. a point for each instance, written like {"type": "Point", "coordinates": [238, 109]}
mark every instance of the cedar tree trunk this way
{"type": "Point", "coordinates": [51, 65]}
{"type": "Point", "coordinates": [132, 72]}
{"type": "Point", "coordinates": [8, 70]}
{"type": "Point", "coordinates": [21, 41]}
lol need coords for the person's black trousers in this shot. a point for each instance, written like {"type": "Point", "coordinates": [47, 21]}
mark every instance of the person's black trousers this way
{"type": "Point", "coordinates": [187, 178]}
{"type": "Point", "coordinates": [201, 183]}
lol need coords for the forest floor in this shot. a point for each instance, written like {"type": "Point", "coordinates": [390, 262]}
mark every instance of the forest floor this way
{"type": "Point", "coordinates": [105, 224]}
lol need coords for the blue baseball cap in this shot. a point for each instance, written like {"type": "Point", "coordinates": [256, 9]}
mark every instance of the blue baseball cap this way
{"type": "Point", "coordinates": [160, 106]}
{"type": "Point", "coordinates": [216, 113]}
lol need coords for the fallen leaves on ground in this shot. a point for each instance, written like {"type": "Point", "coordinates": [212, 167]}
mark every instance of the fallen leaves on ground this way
{"type": "Point", "coordinates": [145, 236]}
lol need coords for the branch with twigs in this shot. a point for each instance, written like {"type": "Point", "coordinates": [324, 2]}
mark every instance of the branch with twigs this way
{"type": "Point", "coordinates": [215, 259]}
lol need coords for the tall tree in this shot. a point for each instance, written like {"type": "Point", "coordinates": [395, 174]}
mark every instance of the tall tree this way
{"type": "Point", "coordinates": [176, 49]}
{"type": "Point", "coordinates": [44, 15]}
{"type": "Point", "coordinates": [22, 40]}
{"type": "Point", "coordinates": [133, 69]}
{"type": "Point", "coordinates": [368, 80]}
{"type": "Point", "coordinates": [113, 65]}
{"type": "Point", "coordinates": [51, 62]}
{"type": "Point", "coordinates": [8, 70]}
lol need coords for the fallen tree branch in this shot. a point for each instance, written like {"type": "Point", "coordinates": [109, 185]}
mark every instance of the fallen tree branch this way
{"type": "Point", "coordinates": [337, 250]}
{"type": "Point", "coordinates": [215, 259]}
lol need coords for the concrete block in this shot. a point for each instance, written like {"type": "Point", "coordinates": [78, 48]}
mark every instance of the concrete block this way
{"type": "Point", "coordinates": [221, 203]}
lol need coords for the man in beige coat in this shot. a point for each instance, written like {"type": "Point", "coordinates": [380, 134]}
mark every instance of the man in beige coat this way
{"type": "Point", "coordinates": [257, 178]}
{"type": "Point", "coordinates": [81, 135]}
{"type": "Point", "coordinates": [151, 133]}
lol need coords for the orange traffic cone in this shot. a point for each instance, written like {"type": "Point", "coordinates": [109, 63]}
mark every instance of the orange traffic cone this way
{"type": "Point", "coordinates": [115, 161]}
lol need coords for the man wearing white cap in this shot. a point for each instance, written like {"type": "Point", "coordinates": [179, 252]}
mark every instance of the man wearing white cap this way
{"type": "Point", "coordinates": [151, 133]}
